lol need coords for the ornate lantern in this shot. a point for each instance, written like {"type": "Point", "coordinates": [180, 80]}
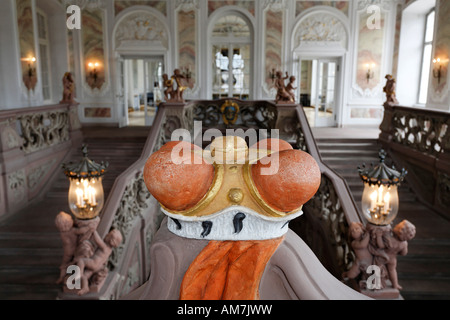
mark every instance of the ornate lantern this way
{"type": "Point", "coordinates": [380, 195]}
{"type": "Point", "coordinates": [86, 190]}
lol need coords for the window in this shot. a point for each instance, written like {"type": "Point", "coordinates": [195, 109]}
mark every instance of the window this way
{"type": "Point", "coordinates": [44, 55]}
{"type": "Point", "coordinates": [231, 49]}
{"type": "Point", "coordinates": [426, 57]}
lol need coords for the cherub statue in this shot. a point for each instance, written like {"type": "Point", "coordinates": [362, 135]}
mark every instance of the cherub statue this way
{"type": "Point", "coordinates": [180, 79]}
{"type": "Point", "coordinates": [70, 236]}
{"type": "Point", "coordinates": [360, 245]}
{"type": "Point", "coordinates": [282, 94]}
{"type": "Point", "coordinates": [389, 89]}
{"type": "Point", "coordinates": [97, 262]}
{"type": "Point", "coordinates": [168, 83]}
{"type": "Point", "coordinates": [68, 88]}
{"type": "Point", "coordinates": [397, 245]}
{"type": "Point", "coordinates": [290, 87]}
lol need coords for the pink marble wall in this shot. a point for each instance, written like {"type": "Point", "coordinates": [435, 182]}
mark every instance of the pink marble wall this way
{"type": "Point", "coordinates": [442, 44]}
{"type": "Point", "coordinates": [216, 4]}
{"type": "Point", "coordinates": [187, 35]}
{"type": "Point", "coordinates": [273, 43]}
{"type": "Point", "coordinates": [366, 113]}
{"type": "Point", "coordinates": [26, 34]}
{"type": "Point", "coordinates": [120, 5]}
{"type": "Point", "coordinates": [97, 112]}
{"type": "Point", "coordinates": [398, 23]}
{"type": "Point", "coordinates": [303, 5]}
{"type": "Point", "coordinates": [370, 50]}
{"type": "Point", "coordinates": [93, 44]}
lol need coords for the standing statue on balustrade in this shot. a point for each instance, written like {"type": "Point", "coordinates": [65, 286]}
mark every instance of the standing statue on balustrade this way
{"type": "Point", "coordinates": [68, 88]}
{"type": "Point", "coordinates": [285, 93]}
{"type": "Point", "coordinates": [176, 85]}
{"type": "Point", "coordinates": [389, 89]}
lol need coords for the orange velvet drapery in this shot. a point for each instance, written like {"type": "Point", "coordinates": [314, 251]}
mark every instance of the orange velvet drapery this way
{"type": "Point", "coordinates": [228, 270]}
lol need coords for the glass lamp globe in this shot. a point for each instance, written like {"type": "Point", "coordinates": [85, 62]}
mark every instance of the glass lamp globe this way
{"type": "Point", "coordinates": [380, 201]}
{"type": "Point", "coordinates": [86, 196]}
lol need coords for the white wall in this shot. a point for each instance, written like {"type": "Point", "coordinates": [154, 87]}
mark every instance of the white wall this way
{"type": "Point", "coordinates": [9, 65]}
{"type": "Point", "coordinates": [411, 50]}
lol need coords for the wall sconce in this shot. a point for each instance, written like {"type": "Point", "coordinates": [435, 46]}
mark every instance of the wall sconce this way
{"type": "Point", "coordinates": [272, 75]}
{"type": "Point", "coordinates": [30, 77]}
{"type": "Point", "coordinates": [380, 195]}
{"type": "Point", "coordinates": [93, 70]}
{"type": "Point", "coordinates": [187, 73]}
{"type": "Point", "coordinates": [437, 70]}
{"type": "Point", "coordinates": [86, 190]}
{"type": "Point", "coordinates": [369, 72]}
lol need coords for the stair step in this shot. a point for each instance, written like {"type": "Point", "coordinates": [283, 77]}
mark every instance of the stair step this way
{"type": "Point", "coordinates": [29, 291]}
{"type": "Point", "coordinates": [425, 288]}
{"type": "Point", "coordinates": [28, 274]}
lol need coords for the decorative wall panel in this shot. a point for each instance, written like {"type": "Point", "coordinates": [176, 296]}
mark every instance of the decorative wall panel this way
{"type": "Point", "coordinates": [120, 5]}
{"type": "Point", "coordinates": [249, 5]}
{"type": "Point", "coordinates": [26, 38]}
{"type": "Point", "coordinates": [369, 55]}
{"type": "Point", "coordinates": [342, 6]}
{"type": "Point", "coordinates": [187, 35]}
{"type": "Point", "coordinates": [97, 113]}
{"type": "Point", "coordinates": [93, 46]}
{"type": "Point", "coordinates": [442, 50]}
{"type": "Point", "coordinates": [274, 43]}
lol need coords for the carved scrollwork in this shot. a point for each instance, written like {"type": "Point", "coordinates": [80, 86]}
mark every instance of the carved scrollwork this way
{"type": "Point", "coordinates": [443, 190]}
{"type": "Point", "coordinates": [134, 200]}
{"type": "Point", "coordinates": [420, 132]}
{"type": "Point", "coordinates": [327, 209]}
{"type": "Point", "coordinates": [42, 130]}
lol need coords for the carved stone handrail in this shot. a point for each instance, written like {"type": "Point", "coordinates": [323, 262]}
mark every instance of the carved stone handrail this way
{"type": "Point", "coordinates": [419, 140]}
{"type": "Point", "coordinates": [33, 143]}
{"type": "Point", "coordinates": [132, 210]}
{"type": "Point", "coordinates": [329, 213]}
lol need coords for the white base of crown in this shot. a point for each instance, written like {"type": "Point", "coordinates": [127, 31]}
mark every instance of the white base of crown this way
{"type": "Point", "coordinates": [225, 225]}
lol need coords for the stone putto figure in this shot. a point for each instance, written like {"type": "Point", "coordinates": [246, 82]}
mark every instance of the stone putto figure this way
{"type": "Point", "coordinates": [379, 246]}
{"type": "Point", "coordinates": [285, 94]}
{"type": "Point", "coordinates": [83, 247]}
{"type": "Point", "coordinates": [68, 88]}
{"type": "Point", "coordinates": [389, 89]}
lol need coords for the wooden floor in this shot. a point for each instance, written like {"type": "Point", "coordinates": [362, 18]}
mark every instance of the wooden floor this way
{"type": "Point", "coordinates": [424, 273]}
{"type": "Point", "coordinates": [30, 245]}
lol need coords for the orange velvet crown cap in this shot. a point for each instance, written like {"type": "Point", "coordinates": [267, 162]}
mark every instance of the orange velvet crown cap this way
{"type": "Point", "coordinates": [192, 182]}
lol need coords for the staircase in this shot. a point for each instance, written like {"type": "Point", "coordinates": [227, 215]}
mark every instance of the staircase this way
{"type": "Point", "coordinates": [30, 244]}
{"type": "Point", "coordinates": [424, 273]}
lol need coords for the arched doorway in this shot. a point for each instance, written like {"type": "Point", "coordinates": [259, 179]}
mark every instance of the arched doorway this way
{"type": "Point", "coordinates": [320, 46]}
{"type": "Point", "coordinates": [231, 49]}
{"type": "Point", "coordinates": [141, 44]}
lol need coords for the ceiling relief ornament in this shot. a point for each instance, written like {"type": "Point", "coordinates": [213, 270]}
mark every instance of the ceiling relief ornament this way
{"type": "Point", "coordinates": [86, 4]}
{"type": "Point", "coordinates": [383, 4]}
{"type": "Point", "coordinates": [274, 5]}
{"type": "Point", "coordinates": [141, 28]}
{"type": "Point", "coordinates": [321, 28]}
{"type": "Point", "coordinates": [187, 5]}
